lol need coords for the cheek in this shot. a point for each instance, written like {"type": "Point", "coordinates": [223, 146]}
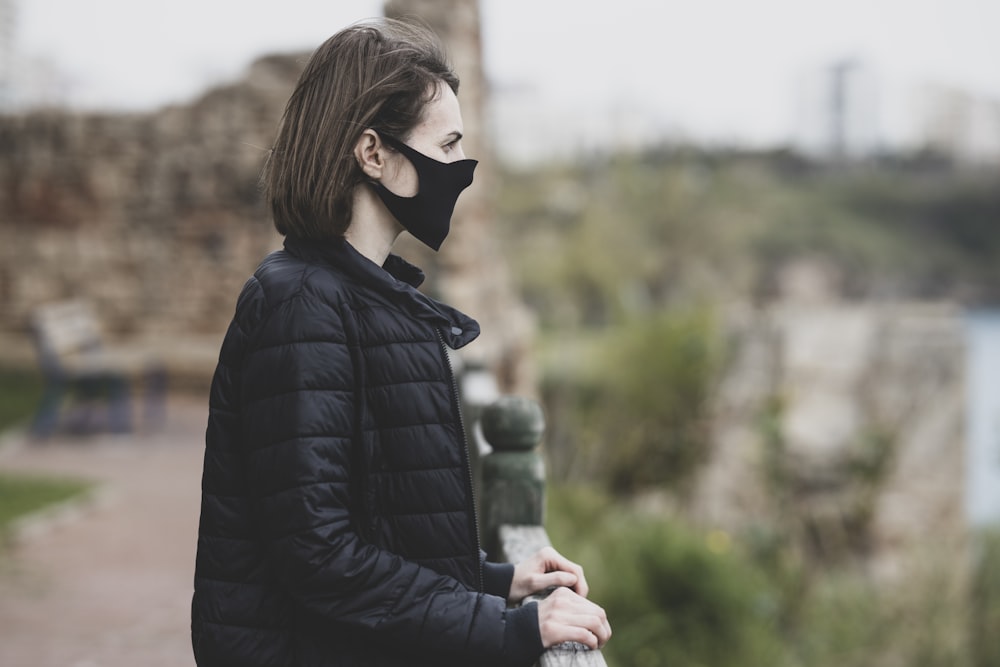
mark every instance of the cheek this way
{"type": "Point", "coordinates": [401, 178]}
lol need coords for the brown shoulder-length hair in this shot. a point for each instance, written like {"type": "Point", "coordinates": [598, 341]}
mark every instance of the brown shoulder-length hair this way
{"type": "Point", "coordinates": [376, 74]}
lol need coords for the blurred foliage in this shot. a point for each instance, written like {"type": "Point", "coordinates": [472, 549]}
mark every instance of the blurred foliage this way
{"type": "Point", "coordinates": [601, 240]}
{"type": "Point", "coordinates": [674, 596]}
{"type": "Point", "coordinates": [628, 261]}
{"type": "Point", "coordinates": [684, 596]}
{"type": "Point", "coordinates": [595, 244]}
{"type": "Point", "coordinates": [985, 599]}
{"type": "Point", "coordinates": [633, 411]}
{"type": "Point", "coordinates": [626, 258]}
{"type": "Point", "coordinates": [844, 614]}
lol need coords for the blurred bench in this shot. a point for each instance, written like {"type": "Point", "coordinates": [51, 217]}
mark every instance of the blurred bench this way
{"type": "Point", "coordinates": [89, 384]}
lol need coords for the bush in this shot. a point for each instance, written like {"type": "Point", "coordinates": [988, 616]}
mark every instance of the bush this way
{"type": "Point", "coordinates": [985, 601]}
{"type": "Point", "coordinates": [639, 414]}
{"type": "Point", "coordinates": [684, 597]}
{"type": "Point", "coordinates": [674, 596]}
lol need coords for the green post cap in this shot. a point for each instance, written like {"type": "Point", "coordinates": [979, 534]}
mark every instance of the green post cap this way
{"type": "Point", "coordinates": [513, 423]}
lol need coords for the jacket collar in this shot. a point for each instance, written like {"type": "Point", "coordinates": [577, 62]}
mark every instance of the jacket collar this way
{"type": "Point", "coordinates": [396, 279]}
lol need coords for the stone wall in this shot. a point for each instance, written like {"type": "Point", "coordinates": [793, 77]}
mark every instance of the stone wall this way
{"type": "Point", "coordinates": [853, 414]}
{"type": "Point", "coordinates": [154, 217]}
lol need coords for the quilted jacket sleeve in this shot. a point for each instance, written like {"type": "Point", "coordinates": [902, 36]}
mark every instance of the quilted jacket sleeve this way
{"type": "Point", "coordinates": [298, 419]}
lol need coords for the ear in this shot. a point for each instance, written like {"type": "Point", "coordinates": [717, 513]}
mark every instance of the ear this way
{"type": "Point", "coordinates": [370, 154]}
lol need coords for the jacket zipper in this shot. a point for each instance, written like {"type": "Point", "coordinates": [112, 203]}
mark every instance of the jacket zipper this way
{"type": "Point", "coordinates": [466, 457]}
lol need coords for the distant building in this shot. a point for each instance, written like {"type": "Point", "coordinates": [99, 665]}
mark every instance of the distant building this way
{"type": "Point", "coordinates": [961, 125]}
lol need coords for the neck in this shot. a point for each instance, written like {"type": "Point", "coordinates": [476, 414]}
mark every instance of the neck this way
{"type": "Point", "coordinates": [373, 230]}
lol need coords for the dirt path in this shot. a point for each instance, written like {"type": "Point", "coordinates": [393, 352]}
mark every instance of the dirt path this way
{"type": "Point", "coordinates": [107, 583]}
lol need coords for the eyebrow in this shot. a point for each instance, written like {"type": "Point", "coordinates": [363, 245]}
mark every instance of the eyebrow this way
{"type": "Point", "coordinates": [454, 136]}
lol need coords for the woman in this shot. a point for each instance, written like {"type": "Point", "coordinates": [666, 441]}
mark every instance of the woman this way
{"type": "Point", "coordinates": [337, 523]}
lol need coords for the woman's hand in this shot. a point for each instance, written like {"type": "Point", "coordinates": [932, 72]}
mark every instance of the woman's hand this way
{"type": "Point", "coordinates": [565, 616]}
{"type": "Point", "coordinates": [546, 569]}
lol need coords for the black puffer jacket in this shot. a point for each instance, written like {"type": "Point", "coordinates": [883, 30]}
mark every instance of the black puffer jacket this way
{"type": "Point", "coordinates": [337, 521]}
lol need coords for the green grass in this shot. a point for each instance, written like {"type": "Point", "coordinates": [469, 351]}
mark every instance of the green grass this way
{"type": "Point", "coordinates": [21, 495]}
{"type": "Point", "coordinates": [20, 391]}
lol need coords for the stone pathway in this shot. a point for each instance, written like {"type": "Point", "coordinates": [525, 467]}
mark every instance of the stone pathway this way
{"type": "Point", "coordinates": [107, 582]}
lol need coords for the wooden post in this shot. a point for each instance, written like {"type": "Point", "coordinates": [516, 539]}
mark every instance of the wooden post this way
{"type": "Point", "coordinates": [513, 475]}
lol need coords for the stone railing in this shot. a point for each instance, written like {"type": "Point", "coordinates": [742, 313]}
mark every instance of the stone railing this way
{"type": "Point", "coordinates": [512, 499]}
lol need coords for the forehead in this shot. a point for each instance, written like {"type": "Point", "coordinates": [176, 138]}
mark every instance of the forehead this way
{"type": "Point", "coordinates": [442, 115]}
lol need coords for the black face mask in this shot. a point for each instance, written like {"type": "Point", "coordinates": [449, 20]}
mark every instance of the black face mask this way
{"type": "Point", "coordinates": [427, 215]}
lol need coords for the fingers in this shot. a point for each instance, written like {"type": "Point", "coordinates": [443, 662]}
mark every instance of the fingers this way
{"type": "Point", "coordinates": [567, 634]}
{"type": "Point", "coordinates": [565, 616]}
{"type": "Point", "coordinates": [547, 569]}
{"type": "Point", "coordinates": [581, 586]}
{"type": "Point", "coordinates": [554, 561]}
{"type": "Point", "coordinates": [556, 579]}
{"type": "Point", "coordinates": [591, 630]}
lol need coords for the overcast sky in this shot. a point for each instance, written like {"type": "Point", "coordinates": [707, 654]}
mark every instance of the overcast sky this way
{"type": "Point", "coordinates": [724, 70]}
